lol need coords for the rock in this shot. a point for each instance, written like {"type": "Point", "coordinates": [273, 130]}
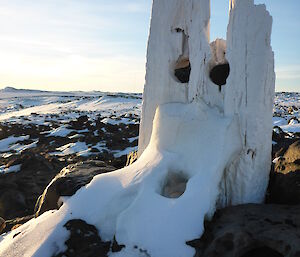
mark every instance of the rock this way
{"type": "Point", "coordinates": [81, 123]}
{"type": "Point", "coordinates": [84, 241]}
{"type": "Point", "coordinates": [68, 181]}
{"type": "Point", "coordinates": [251, 230]}
{"type": "Point", "coordinates": [290, 161]}
{"type": "Point", "coordinates": [12, 201]}
{"type": "Point", "coordinates": [284, 188]}
{"type": "Point", "coordinates": [2, 225]}
{"type": "Point", "coordinates": [182, 70]}
{"type": "Point", "coordinates": [284, 184]}
{"type": "Point", "coordinates": [19, 190]}
{"type": "Point", "coordinates": [282, 140]}
{"type": "Point", "coordinates": [293, 152]}
{"type": "Point", "coordinates": [14, 223]}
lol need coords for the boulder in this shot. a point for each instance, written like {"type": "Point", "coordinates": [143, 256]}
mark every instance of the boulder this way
{"type": "Point", "coordinates": [19, 190]}
{"type": "Point", "coordinates": [15, 223]}
{"type": "Point", "coordinates": [80, 123]}
{"type": "Point", "coordinates": [284, 184]}
{"type": "Point", "coordinates": [251, 230]}
{"type": "Point", "coordinates": [12, 201]}
{"type": "Point", "coordinates": [293, 152]}
{"type": "Point", "coordinates": [84, 241]}
{"type": "Point", "coordinates": [68, 181]}
{"type": "Point", "coordinates": [284, 188]}
{"type": "Point", "coordinates": [282, 142]}
{"type": "Point", "coordinates": [290, 161]}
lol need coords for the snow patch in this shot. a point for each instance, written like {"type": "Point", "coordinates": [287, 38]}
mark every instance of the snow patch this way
{"type": "Point", "coordinates": [80, 148]}
{"type": "Point", "coordinates": [10, 169]}
{"type": "Point", "coordinates": [5, 144]}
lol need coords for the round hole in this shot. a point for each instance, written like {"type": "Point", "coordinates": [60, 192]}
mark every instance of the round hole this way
{"type": "Point", "coordinates": [218, 66]}
{"type": "Point", "coordinates": [219, 74]}
{"type": "Point", "coordinates": [174, 185]}
{"type": "Point", "coordinates": [182, 70]}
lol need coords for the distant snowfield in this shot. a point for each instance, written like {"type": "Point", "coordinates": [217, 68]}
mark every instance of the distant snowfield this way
{"type": "Point", "coordinates": [40, 107]}
{"type": "Point", "coordinates": [17, 104]}
{"type": "Point", "coordinates": [45, 108]}
{"type": "Point", "coordinates": [27, 104]}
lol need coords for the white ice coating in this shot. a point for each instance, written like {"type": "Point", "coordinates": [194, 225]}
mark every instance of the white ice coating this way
{"type": "Point", "coordinates": [248, 93]}
{"type": "Point", "coordinates": [200, 148]}
{"type": "Point", "coordinates": [218, 50]}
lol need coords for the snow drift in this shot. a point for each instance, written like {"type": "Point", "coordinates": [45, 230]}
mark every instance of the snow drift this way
{"type": "Point", "coordinates": [135, 205]}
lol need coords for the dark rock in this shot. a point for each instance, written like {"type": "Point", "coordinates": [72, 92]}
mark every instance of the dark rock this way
{"type": "Point", "coordinates": [182, 70]}
{"type": "Point", "coordinates": [81, 123]}
{"type": "Point", "coordinates": [284, 184]}
{"type": "Point", "coordinates": [84, 241]}
{"type": "Point", "coordinates": [12, 202]}
{"type": "Point", "coordinates": [2, 225]}
{"type": "Point", "coordinates": [14, 223]}
{"type": "Point", "coordinates": [283, 141]}
{"type": "Point", "coordinates": [293, 152]}
{"type": "Point", "coordinates": [251, 230]}
{"type": "Point", "coordinates": [68, 181]}
{"type": "Point", "coordinates": [118, 162]}
{"type": "Point", "coordinates": [284, 188]}
{"type": "Point", "coordinates": [115, 247]}
{"type": "Point", "coordinates": [183, 74]}
{"type": "Point", "coordinates": [19, 191]}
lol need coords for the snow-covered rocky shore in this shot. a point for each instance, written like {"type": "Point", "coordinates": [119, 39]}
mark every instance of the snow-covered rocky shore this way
{"type": "Point", "coordinates": [42, 132]}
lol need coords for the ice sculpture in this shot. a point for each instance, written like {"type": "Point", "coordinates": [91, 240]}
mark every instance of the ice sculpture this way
{"type": "Point", "coordinates": [205, 138]}
{"type": "Point", "coordinates": [180, 30]}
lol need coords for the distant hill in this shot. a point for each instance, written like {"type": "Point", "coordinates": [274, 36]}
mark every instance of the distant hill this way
{"type": "Point", "coordinates": [15, 90]}
{"type": "Point", "coordinates": [11, 92]}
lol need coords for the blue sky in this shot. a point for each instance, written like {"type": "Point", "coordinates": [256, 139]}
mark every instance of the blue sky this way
{"type": "Point", "coordinates": [101, 44]}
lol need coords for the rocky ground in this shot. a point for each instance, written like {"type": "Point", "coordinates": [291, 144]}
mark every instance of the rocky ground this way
{"type": "Point", "coordinates": [41, 133]}
{"type": "Point", "coordinates": [93, 133]}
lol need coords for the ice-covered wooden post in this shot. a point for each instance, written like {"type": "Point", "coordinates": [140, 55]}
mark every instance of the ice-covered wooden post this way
{"type": "Point", "coordinates": [205, 138]}
{"type": "Point", "coordinates": [180, 31]}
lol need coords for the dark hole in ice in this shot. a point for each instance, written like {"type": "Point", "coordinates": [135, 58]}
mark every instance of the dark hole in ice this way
{"type": "Point", "coordinates": [182, 71]}
{"type": "Point", "coordinates": [179, 30]}
{"type": "Point", "coordinates": [262, 251]}
{"type": "Point", "coordinates": [219, 74]}
{"type": "Point", "coordinates": [174, 185]}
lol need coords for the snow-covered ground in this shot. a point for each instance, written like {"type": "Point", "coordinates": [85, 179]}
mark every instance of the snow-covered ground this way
{"type": "Point", "coordinates": [57, 109]}
{"type": "Point", "coordinates": [81, 124]}
{"type": "Point", "coordinates": [286, 112]}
